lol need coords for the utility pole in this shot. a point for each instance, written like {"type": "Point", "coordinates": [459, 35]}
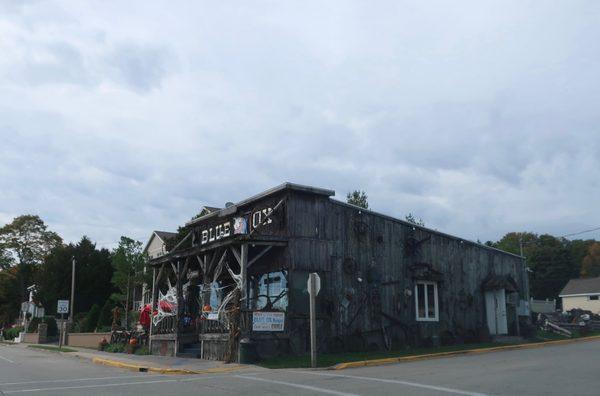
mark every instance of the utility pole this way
{"type": "Point", "coordinates": [524, 268]}
{"type": "Point", "coordinates": [72, 291]}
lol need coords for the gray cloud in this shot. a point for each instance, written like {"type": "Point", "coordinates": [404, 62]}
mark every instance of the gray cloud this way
{"type": "Point", "coordinates": [480, 119]}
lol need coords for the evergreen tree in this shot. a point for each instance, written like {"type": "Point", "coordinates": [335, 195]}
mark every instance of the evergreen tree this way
{"type": "Point", "coordinates": [358, 198]}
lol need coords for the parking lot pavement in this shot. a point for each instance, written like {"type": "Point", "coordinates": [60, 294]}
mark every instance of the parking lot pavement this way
{"type": "Point", "coordinates": [556, 370]}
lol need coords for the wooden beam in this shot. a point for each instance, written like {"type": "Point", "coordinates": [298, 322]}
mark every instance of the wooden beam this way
{"type": "Point", "coordinates": [174, 268]}
{"type": "Point", "coordinates": [259, 255]}
{"type": "Point", "coordinates": [185, 268]}
{"type": "Point", "coordinates": [221, 259]}
{"type": "Point", "coordinates": [213, 259]}
{"type": "Point", "coordinates": [243, 273]}
{"type": "Point", "coordinates": [154, 277]}
{"type": "Point", "coordinates": [237, 254]}
{"type": "Point", "coordinates": [267, 217]}
{"type": "Point", "coordinates": [181, 242]}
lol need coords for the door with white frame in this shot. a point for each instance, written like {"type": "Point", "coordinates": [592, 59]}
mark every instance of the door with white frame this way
{"type": "Point", "coordinates": [495, 306]}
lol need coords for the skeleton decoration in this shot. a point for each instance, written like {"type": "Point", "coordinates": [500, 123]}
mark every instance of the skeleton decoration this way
{"type": "Point", "coordinates": [167, 304]}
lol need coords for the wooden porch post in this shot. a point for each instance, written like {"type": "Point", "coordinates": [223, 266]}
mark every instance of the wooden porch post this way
{"type": "Point", "coordinates": [243, 273]}
{"type": "Point", "coordinates": [179, 306]}
{"type": "Point", "coordinates": [152, 308]}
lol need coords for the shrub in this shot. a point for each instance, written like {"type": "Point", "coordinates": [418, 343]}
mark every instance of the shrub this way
{"type": "Point", "coordinates": [32, 327]}
{"type": "Point", "coordinates": [13, 332]}
{"type": "Point", "coordinates": [52, 327]}
{"type": "Point", "coordinates": [115, 348]}
{"type": "Point", "coordinates": [105, 317]}
{"type": "Point", "coordinates": [91, 319]}
{"type": "Point", "coordinates": [143, 350]}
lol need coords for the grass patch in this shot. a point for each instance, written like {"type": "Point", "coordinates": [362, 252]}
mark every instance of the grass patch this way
{"type": "Point", "coordinates": [143, 350]}
{"type": "Point", "coordinates": [327, 360]}
{"type": "Point", "coordinates": [115, 348]}
{"type": "Point", "coordinates": [51, 348]}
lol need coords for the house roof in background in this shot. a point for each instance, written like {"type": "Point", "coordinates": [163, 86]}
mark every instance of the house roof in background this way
{"type": "Point", "coordinates": [164, 235]}
{"type": "Point", "coordinates": [581, 286]}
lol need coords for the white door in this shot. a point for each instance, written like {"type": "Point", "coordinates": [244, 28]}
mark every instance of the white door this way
{"type": "Point", "coordinates": [495, 306]}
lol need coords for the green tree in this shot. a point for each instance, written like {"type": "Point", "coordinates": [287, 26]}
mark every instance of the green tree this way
{"type": "Point", "coordinates": [553, 261]}
{"type": "Point", "coordinates": [92, 276]}
{"type": "Point", "coordinates": [105, 317]}
{"type": "Point", "coordinates": [24, 243]}
{"type": "Point", "coordinates": [9, 294]}
{"type": "Point", "coordinates": [358, 198]}
{"type": "Point", "coordinates": [91, 319]}
{"type": "Point", "coordinates": [412, 219]}
{"type": "Point", "coordinates": [590, 267]}
{"type": "Point", "coordinates": [128, 264]}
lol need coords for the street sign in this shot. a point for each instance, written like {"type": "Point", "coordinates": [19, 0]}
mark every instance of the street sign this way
{"type": "Point", "coordinates": [62, 307]}
{"type": "Point", "coordinates": [317, 279]}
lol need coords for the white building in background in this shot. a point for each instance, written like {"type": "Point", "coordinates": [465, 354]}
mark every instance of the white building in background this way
{"type": "Point", "coordinates": [581, 293]}
{"type": "Point", "coordinates": [31, 307]}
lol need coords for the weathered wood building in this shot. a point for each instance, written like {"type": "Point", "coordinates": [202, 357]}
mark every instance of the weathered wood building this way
{"type": "Point", "coordinates": [241, 273]}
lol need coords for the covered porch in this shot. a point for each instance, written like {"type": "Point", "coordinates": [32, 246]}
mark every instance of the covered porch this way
{"type": "Point", "coordinates": [203, 297]}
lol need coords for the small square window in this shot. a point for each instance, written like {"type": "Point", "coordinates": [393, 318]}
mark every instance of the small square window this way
{"type": "Point", "coordinates": [426, 301]}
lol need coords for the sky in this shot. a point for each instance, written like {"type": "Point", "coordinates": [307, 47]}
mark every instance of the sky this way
{"type": "Point", "coordinates": [481, 118]}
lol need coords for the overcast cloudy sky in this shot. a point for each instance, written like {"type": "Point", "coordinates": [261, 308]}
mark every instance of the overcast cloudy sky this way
{"type": "Point", "coordinates": [123, 117]}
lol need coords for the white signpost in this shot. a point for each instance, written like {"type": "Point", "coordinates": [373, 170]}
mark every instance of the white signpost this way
{"type": "Point", "coordinates": [62, 308]}
{"type": "Point", "coordinates": [313, 286]}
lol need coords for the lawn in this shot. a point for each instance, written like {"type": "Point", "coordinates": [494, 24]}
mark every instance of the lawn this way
{"type": "Point", "coordinates": [327, 360]}
{"type": "Point", "coordinates": [51, 348]}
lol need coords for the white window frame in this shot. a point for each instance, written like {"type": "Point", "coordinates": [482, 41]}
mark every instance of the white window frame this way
{"type": "Point", "coordinates": [426, 318]}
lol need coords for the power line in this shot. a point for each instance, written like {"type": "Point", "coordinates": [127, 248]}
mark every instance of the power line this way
{"type": "Point", "coordinates": [581, 232]}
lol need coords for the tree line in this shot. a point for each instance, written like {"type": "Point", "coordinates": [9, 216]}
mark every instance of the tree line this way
{"type": "Point", "coordinates": [30, 254]}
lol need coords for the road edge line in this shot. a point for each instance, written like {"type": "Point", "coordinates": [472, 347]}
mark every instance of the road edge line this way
{"type": "Point", "coordinates": [402, 359]}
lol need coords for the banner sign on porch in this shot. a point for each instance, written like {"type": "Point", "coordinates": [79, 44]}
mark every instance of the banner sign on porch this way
{"type": "Point", "coordinates": [268, 321]}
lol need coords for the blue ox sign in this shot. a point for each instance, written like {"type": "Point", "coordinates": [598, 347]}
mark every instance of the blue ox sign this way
{"type": "Point", "coordinates": [239, 226]}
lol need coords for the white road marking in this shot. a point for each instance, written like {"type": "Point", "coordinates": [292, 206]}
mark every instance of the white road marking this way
{"type": "Point", "coordinates": [307, 387]}
{"type": "Point", "coordinates": [81, 379]}
{"type": "Point", "coordinates": [104, 385]}
{"type": "Point", "coordinates": [392, 381]}
{"type": "Point", "coordinates": [7, 359]}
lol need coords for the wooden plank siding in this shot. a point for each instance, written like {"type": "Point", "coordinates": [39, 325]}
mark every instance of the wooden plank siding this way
{"type": "Point", "coordinates": [368, 268]}
{"type": "Point", "coordinates": [327, 236]}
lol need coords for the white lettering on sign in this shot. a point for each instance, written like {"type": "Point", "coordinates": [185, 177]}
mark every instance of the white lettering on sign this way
{"type": "Point", "coordinates": [267, 321]}
{"type": "Point", "coordinates": [215, 233]}
{"type": "Point", "coordinates": [261, 216]}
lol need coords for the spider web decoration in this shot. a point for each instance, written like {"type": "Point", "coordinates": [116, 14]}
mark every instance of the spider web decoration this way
{"type": "Point", "coordinates": [167, 305]}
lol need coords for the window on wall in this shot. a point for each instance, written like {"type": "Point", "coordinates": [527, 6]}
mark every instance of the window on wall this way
{"type": "Point", "coordinates": [594, 297]}
{"type": "Point", "coordinates": [426, 301]}
{"type": "Point", "coordinates": [271, 287]}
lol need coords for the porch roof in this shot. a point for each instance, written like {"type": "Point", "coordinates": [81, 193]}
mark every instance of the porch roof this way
{"type": "Point", "coordinates": [239, 239]}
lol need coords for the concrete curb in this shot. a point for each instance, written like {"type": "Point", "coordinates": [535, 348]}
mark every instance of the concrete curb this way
{"type": "Point", "coordinates": [379, 362]}
{"type": "Point", "coordinates": [163, 370]}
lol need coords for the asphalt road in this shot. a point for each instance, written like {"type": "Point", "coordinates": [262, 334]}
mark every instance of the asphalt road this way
{"type": "Point", "coordinates": [572, 369]}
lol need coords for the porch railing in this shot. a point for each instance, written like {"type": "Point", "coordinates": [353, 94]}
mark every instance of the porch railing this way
{"type": "Point", "coordinates": [166, 326]}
